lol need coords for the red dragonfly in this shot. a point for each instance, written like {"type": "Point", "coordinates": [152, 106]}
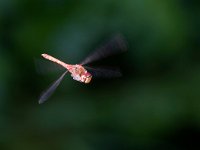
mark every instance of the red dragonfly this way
{"type": "Point", "coordinates": [84, 74]}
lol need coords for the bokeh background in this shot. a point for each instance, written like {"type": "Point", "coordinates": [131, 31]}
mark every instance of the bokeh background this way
{"type": "Point", "coordinates": [155, 105]}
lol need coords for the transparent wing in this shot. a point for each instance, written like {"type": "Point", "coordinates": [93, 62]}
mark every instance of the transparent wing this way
{"type": "Point", "coordinates": [114, 46]}
{"type": "Point", "coordinates": [105, 72]}
{"type": "Point", "coordinates": [51, 89]}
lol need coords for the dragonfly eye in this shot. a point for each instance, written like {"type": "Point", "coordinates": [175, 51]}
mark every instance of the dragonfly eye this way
{"type": "Point", "coordinates": [88, 75]}
{"type": "Point", "coordinates": [88, 79]}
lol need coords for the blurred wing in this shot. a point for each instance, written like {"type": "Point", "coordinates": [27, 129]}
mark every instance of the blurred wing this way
{"type": "Point", "coordinates": [114, 46]}
{"type": "Point", "coordinates": [104, 72]}
{"type": "Point", "coordinates": [51, 89]}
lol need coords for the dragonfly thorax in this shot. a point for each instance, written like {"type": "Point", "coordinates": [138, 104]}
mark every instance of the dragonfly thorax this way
{"type": "Point", "coordinates": [79, 73]}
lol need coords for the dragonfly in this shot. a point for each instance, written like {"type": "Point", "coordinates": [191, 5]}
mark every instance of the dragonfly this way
{"type": "Point", "coordinates": [83, 73]}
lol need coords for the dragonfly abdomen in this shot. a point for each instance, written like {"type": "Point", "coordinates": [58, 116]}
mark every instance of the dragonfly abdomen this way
{"type": "Point", "coordinates": [46, 56]}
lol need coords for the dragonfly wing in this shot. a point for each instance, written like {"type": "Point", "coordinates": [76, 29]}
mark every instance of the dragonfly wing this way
{"type": "Point", "coordinates": [105, 72]}
{"type": "Point", "coordinates": [51, 89]}
{"type": "Point", "coordinates": [114, 46]}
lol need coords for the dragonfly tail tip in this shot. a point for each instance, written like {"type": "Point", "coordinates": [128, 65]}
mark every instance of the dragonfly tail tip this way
{"type": "Point", "coordinates": [43, 54]}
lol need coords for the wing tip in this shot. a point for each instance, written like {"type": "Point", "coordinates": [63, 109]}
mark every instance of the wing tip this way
{"type": "Point", "coordinates": [41, 101]}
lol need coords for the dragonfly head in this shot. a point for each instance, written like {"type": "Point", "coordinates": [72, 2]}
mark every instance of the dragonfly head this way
{"type": "Point", "coordinates": [86, 77]}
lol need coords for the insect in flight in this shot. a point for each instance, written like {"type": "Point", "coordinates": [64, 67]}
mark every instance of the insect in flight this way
{"type": "Point", "coordinates": [84, 74]}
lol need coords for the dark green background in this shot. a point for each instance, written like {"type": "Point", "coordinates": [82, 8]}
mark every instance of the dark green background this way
{"type": "Point", "coordinates": [155, 105]}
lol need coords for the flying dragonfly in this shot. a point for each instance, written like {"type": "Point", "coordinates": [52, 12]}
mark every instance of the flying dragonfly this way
{"type": "Point", "coordinates": [82, 73]}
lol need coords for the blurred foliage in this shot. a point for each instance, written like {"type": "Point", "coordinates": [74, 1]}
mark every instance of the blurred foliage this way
{"type": "Point", "coordinates": [155, 105]}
